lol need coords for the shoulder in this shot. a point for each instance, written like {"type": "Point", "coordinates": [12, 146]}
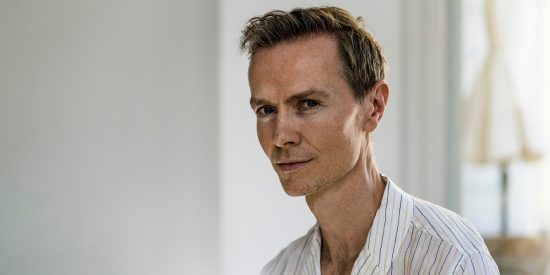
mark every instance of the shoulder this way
{"type": "Point", "coordinates": [288, 258]}
{"type": "Point", "coordinates": [447, 226]}
{"type": "Point", "coordinates": [464, 247]}
{"type": "Point", "coordinates": [476, 263]}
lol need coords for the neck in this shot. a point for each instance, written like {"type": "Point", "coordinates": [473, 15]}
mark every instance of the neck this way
{"type": "Point", "coordinates": [345, 211]}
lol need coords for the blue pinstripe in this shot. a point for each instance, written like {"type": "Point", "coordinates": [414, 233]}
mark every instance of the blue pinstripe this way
{"type": "Point", "coordinates": [428, 239]}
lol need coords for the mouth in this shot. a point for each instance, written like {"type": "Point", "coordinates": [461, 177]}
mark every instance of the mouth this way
{"type": "Point", "coordinates": [290, 166]}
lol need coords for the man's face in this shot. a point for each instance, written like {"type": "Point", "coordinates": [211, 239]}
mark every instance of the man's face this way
{"type": "Point", "coordinates": [308, 123]}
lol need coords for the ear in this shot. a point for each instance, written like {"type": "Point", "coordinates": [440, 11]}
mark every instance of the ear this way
{"type": "Point", "coordinates": [376, 101]}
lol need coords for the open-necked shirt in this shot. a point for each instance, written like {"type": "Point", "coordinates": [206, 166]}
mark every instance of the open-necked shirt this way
{"type": "Point", "coordinates": [408, 236]}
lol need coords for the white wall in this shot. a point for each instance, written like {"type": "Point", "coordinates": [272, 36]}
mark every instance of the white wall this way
{"type": "Point", "coordinates": [127, 145]}
{"type": "Point", "coordinates": [258, 218]}
{"type": "Point", "coordinates": [108, 133]}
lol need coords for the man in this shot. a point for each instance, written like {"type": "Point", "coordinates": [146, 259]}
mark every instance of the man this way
{"type": "Point", "coordinates": [318, 90]}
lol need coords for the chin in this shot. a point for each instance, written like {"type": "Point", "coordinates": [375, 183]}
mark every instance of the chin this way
{"type": "Point", "coordinates": [294, 193]}
{"type": "Point", "coordinates": [295, 188]}
{"type": "Point", "coordinates": [292, 189]}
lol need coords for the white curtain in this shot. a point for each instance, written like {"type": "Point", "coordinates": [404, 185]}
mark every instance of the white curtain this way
{"type": "Point", "coordinates": [544, 64]}
{"type": "Point", "coordinates": [507, 113]}
{"type": "Point", "coordinates": [498, 127]}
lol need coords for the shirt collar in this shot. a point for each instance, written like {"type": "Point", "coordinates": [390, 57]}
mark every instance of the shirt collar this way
{"type": "Point", "coordinates": [390, 227]}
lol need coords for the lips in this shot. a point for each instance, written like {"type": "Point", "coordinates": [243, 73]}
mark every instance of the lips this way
{"type": "Point", "coordinates": [289, 166]}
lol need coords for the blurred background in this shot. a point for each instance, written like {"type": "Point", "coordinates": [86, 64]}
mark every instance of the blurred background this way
{"type": "Point", "coordinates": [127, 145]}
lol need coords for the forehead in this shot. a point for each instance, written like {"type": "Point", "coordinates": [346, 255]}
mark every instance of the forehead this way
{"type": "Point", "coordinates": [312, 46]}
{"type": "Point", "coordinates": [296, 65]}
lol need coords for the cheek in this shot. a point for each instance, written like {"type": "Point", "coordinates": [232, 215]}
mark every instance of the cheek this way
{"type": "Point", "coordinates": [329, 139]}
{"type": "Point", "coordinates": [339, 138]}
{"type": "Point", "coordinates": [336, 128]}
{"type": "Point", "coordinates": [264, 135]}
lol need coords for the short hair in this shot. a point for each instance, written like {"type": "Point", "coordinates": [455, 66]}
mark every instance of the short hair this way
{"type": "Point", "coordinates": [361, 56]}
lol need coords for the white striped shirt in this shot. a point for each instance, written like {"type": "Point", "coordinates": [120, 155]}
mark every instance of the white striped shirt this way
{"type": "Point", "coordinates": [408, 236]}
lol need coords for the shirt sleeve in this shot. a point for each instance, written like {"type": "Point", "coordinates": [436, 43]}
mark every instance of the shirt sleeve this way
{"type": "Point", "coordinates": [477, 264]}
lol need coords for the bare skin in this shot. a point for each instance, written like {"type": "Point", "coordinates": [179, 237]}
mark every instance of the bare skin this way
{"type": "Point", "coordinates": [317, 137]}
{"type": "Point", "coordinates": [345, 213]}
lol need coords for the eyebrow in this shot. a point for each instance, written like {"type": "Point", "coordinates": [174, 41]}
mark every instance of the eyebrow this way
{"type": "Point", "coordinates": [294, 98]}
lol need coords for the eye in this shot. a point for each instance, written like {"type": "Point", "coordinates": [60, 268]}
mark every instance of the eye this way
{"type": "Point", "coordinates": [265, 111]}
{"type": "Point", "coordinates": [308, 104]}
{"type": "Point", "coordinates": [311, 103]}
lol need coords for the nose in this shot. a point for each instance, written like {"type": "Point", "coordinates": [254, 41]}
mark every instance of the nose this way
{"type": "Point", "coordinates": [285, 134]}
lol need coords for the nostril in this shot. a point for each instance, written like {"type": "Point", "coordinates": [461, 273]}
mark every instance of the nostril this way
{"type": "Point", "coordinates": [286, 139]}
{"type": "Point", "coordinates": [285, 133]}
